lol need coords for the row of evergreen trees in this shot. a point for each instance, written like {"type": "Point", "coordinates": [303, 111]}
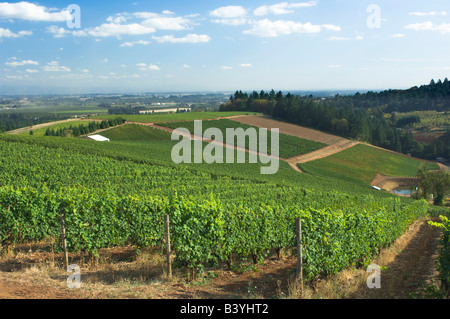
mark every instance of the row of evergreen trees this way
{"type": "Point", "coordinates": [343, 119]}
{"type": "Point", "coordinates": [76, 131]}
{"type": "Point", "coordinates": [434, 96]}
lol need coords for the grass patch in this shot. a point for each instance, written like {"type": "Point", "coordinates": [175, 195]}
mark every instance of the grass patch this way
{"type": "Point", "coordinates": [362, 163]}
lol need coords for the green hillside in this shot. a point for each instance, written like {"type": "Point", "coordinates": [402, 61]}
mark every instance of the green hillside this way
{"type": "Point", "coordinates": [117, 193]}
{"type": "Point", "coordinates": [363, 162]}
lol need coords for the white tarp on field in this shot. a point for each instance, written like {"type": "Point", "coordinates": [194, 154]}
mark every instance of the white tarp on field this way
{"type": "Point", "coordinates": [98, 138]}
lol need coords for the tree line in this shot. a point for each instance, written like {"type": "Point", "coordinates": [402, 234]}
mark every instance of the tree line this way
{"type": "Point", "coordinates": [345, 117]}
{"type": "Point", "coordinates": [82, 129]}
{"type": "Point", "coordinates": [12, 121]}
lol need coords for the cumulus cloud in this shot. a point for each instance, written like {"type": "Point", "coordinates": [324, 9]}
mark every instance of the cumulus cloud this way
{"type": "Point", "coordinates": [7, 33]}
{"type": "Point", "coordinates": [232, 22]}
{"type": "Point", "coordinates": [55, 67]}
{"type": "Point", "coordinates": [117, 30]}
{"type": "Point", "coordinates": [429, 26]}
{"type": "Point", "coordinates": [229, 15]}
{"type": "Point", "coordinates": [282, 8]}
{"type": "Point", "coordinates": [123, 24]}
{"type": "Point", "coordinates": [190, 38]}
{"type": "Point", "coordinates": [147, 67]}
{"type": "Point", "coordinates": [15, 63]}
{"type": "Point", "coordinates": [32, 12]}
{"type": "Point", "coordinates": [133, 43]}
{"type": "Point", "coordinates": [339, 38]}
{"type": "Point", "coordinates": [229, 12]}
{"type": "Point", "coordinates": [268, 28]}
{"type": "Point", "coordinates": [163, 22]}
{"type": "Point", "coordinates": [431, 13]}
{"type": "Point", "coordinates": [397, 35]}
{"type": "Point", "coordinates": [58, 32]}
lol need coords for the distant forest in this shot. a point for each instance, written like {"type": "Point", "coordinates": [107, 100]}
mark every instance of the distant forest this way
{"type": "Point", "coordinates": [12, 121]}
{"type": "Point", "coordinates": [359, 116]}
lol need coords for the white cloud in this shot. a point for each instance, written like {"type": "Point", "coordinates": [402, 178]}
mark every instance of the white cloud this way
{"type": "Point", "coordinates": [118, 19]}
{"type": "Point", "coordinates": [190, 38]}
{"type": "Point", "coordinates": [229, 12]}
{"type": "Point", "coordinates": [359, 37]}
{"type": "Point", "coordinates": [21, 63]}
{"type": "Point", "coordinates": [429, 26]}
{"type": "Point", "coordinates": [268, 28]}
{"type": "Point", "coordinates": [232, 22]}
{"type": "Point", "coordinates": [168, 12]}
{"type": "Point", "coordinates": [133, 43]}
{"type": "Point", "coordinates": [282, 8]}
{"type": "Point", "coordinates": [331, 27]}
{"type": "Point", "coordinates": [6, 33]}
{"type": "Point", "coordinates": [334, 66]}
{"type": "Point", "coordinates": [147, 67]}
{"type": "Point", "coordinates": [163, 22]}
{"type": "Point", "coordinates": [186, 66]}
{"type": "Point", "coordinates": [225, 67]}
{"type": "Point", "coordinates": [339, 38]}
{"type": "Point", "coordinates": [431, 13]}
{"type": "Point", "coordinates": [31, 71]}
{"type": "Point", "coordinates": [246, 65]}
{"type": "Point", "coordinates": [117, 30]}
{"type": "Point", "coordinates": [55, 67]}
{"type": "Point", "coordinates": [397, 35]}
{"type": "Point", "coordinates": [32, 12]}
{"type": "Point", "coordinates": [58, 32]}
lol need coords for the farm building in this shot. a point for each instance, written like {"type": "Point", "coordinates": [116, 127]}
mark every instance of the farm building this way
{"type": "Point", "coordinates": [98, 138]}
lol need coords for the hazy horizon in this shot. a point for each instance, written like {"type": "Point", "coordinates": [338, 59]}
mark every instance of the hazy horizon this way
{"type": "Point", "coordinates": [86, 47]}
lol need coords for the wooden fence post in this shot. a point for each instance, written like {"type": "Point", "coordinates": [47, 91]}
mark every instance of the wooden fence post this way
{"type": "Point", "coordinates": [63, 237]}
{"type": "Point", "coordinates": [298, 223]}
{"type": "Point", "coordinates": [168, 251]}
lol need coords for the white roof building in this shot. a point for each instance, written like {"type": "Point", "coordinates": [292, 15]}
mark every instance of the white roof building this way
{"type": "Point", "coordinates": [98, 138]}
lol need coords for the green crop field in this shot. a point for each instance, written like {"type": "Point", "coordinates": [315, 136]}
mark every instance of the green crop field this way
{"type": "Point", "coordinates": [136, 133]}
{"type": "Point", "coordinates": [289, 146]}
{"type": "Point", "coordinates": [117, 193]}
{"type": "Point", "coordinates": [362, 163]}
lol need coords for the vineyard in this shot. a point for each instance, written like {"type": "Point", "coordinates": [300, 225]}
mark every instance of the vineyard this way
{"type": "Point", "coordinates": [114, 200]}
{"type": "Point", "coordinates": [289, 145]}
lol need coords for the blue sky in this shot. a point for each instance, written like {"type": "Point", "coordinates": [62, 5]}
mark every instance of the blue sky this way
{"type": "Point", "coordinates": [173, 45]}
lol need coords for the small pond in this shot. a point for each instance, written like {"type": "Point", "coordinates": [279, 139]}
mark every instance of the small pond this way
{"type": "Point", "coordinates": [402, 191]}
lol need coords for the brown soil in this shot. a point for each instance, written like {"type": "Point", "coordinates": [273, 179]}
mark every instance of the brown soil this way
{"type": "Point", "coordinates": [408, 267]}
{"type": "Point", "coordinates": [288, 129]}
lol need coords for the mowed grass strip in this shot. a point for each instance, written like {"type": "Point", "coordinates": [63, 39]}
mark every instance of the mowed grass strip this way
{"type": "Point", "coordinates": [363, 163]}
{"type": "Point", "coordinates": [290, 146]}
